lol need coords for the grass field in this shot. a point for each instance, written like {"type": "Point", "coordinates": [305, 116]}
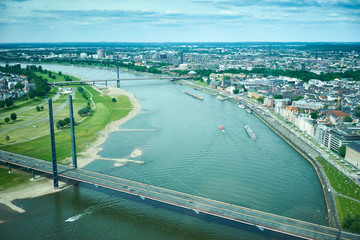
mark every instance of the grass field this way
{"type": "Point", "coordinates": [343, 185]}
{"type": "Point", "coordinates": [14, 178]}
{"type": "Point", "coordinates": [86, 131]}
{"type": "Point", "coordinates": [339, 182]}
{"type": "Point", "coordinates": [58, 77]}
{"type": "Point", "coordinates": [346, 206]}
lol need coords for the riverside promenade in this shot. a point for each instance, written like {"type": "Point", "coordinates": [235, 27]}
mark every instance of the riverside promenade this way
{"type": "Point", "coordinates": [308, 152]}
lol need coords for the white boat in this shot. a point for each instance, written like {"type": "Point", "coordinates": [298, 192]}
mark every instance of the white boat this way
{"type": "Point", "coordinates": [220, 98]}
{"type": "Point", "coordinates": [248, 110]}
{"type": "Point", "coordinates": [241, 106]}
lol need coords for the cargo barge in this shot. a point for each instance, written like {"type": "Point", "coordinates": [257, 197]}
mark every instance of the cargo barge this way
{"type": "Point", "coordinates": [193, 95]}
{"type": "Point", "coordinates": [250, 132]}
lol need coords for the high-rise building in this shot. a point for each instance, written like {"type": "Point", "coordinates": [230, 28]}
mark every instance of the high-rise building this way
{"type": "Point", "coordinates": [181, 57]}
{"type": "Point", "coordinates": [100, 53]}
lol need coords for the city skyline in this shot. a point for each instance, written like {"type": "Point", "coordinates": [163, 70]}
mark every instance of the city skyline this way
{"type": "Point", "coordinates": [179, 21]}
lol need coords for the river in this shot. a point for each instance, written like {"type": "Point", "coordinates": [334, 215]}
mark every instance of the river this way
{"type": "Point", "coordinates": [187, 153]}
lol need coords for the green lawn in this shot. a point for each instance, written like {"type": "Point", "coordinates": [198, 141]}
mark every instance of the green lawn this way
{"type": "Point", "coordinates": [58, 78]}
{"type": "Point", "coordinates": [86, 131]}
{"type": "Point", "coordinates": [342, 184]}
{"type": "Point", "coordinates": [346, 206]}
{"type": "Point", "coordinates": [31, 123]}
{"type": "Point", "coordinates": [339, 182]}
{"type": "Point", "coordinates": [8, 180]}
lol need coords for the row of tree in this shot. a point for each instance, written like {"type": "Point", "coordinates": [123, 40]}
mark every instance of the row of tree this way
{"type": "Point", "coordinates": [7, 102]}
{"type": "Point", "coordinates": [62, 123]}
{"type": "Point", "coordinates": [13, 117]}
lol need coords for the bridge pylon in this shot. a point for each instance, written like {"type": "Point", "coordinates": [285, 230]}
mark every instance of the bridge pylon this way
{"type": "Point", "coordinates": [53, 149]}
{"type": "Point", "coordinates": [117, 71]}
{"type": "Point", "coordinates": [73, 146]}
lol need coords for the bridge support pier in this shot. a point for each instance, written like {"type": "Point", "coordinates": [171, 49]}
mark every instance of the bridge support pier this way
{"type": "Point", "coordinates": [9, 167]}
{"type": "Point", "coordinates": [73, 146]}
{"type": "Point", "coordinates": [106, 83]}
{"type": "Point", "coordinates": [32, 174]}
{"type": "Point", "coordinates": [53, 149]}
{"type": "Point", "coordinates": [93, 83]}
{"type": "Point", "coordinates": [117, 70]}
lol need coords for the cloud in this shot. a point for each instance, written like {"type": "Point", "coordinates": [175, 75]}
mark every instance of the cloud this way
{"type": "Point", "coordinates": [353, 4]}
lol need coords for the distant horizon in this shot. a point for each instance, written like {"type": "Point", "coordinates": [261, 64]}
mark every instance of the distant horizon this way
{"type": "Point", "coordinates": [159, 42]}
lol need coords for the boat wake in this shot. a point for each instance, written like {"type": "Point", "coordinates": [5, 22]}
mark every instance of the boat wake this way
{"type": "Point", "coordinates": [88, 211]}
{"type": "Point", "coordinates": [76, 217]}
{"type": "Point", "coordinates": [136, 153]}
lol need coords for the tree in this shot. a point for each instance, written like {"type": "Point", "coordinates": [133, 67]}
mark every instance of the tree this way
{"type": "Point", "coordinates": [260, 99]}
{"type": "Point", "coordinates": [352, 222]}
{"type": "Point", "coordinates": [278, 96]}
{"type": "Point", "coordinates": [38, 108]}
{"type": "Point", "coordinates": [7, 138]}
{"type": "Point", "coordinates": [42, 108]}
{"type": "Point", "coordinates": [2, 103]}
{"type": "Point", "coordinates": [84, 111]}
{"type": "Point", "coordinates": [60, 124]}
{"type": "Point", "coordinates": [9, 102]}
{"type": "Point", "coordinates": [60, 73]}
{"type": "Point", "coordinates": [113, 99]}
{"type": "Point", "coordinates": [243, 86]}
{"type": "Point", "coordinates": [297, 98]}
{"type": "Point", "coordinates": [7, 119]}
{"type": "Point", "coordinates": [80, 89]}
{"type": "Point", "coordinates": [236, 91]}
{"type": "Point", "coordinates": [19, 85]}
{"type": "Point", "coordinates": [342, 150]}
{"type": "Point", "coordinates": [314, 115]}
{"type": "Point", "coordinates": [66, 121]}
{"type": "Point", "coordinates": [13, 116]}
{"type": "Point", "coordinates": [348, 119]}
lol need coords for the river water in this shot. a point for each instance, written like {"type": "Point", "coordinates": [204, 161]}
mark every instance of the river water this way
{"type": "Point", "coordinates": [187, 153]}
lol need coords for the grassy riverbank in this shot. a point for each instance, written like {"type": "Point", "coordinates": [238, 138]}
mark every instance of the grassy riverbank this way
{"type": "Point", "coordinates": [86, 131]}
{"type": "Point", "coordinates": [344, 186]}
{"type": "Point", "coordinates": [14, 178]}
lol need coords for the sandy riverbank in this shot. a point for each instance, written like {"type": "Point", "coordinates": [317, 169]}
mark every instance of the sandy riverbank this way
{"type": "Point", "coordinates": [34, 188]}
{"type": "Point", "coordinates": [43, 186]}
{"type": "Point", "coordinates": [91, 153]}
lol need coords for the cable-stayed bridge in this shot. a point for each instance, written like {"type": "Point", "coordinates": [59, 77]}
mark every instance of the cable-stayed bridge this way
{"type": "Point", "coordinates": [199, 205]}
{"type": "Point", "coordinates": [117, 80]}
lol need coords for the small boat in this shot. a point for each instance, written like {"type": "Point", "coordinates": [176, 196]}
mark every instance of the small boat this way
{"type": "Point", "coordinates": [248, 110]}
{"type": "Point", "coordinates": [196, 211]}
{"type": "Point", "coordinates": [222, 128]}
{"type": "Point", "coordinates": [241, 106]}
{"type": "Point", "coordinates": [220, 98]}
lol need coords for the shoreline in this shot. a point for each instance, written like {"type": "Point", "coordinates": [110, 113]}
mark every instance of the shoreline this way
{"type": "Point", "coordinates": [42, 186]}
{"type": "Point", "coordinates": [89, 155]}
{"type": "Point", "coordinates": [309, 156]}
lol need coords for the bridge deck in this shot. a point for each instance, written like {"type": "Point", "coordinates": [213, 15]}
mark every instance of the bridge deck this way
{"type": "Point", "coordinates": [198, 204]}
{"type": "Point", "coordinates": [121, 79]}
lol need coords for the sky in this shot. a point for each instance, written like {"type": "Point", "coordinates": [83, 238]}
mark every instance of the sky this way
{"type": "Point", "coordinates": [179, 21]}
